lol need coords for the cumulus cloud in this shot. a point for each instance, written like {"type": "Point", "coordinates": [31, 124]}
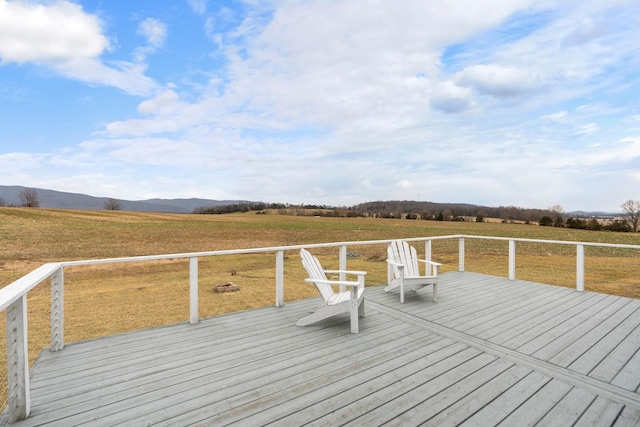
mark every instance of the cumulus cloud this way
{"type": "Point", "coordinates": [352, 63]}
{"type": "Point", "coordinates": [155, 33]}
{"type": "Point", "coordinates": [360, 91]}
{"type": "Point", "coordinates": [62, 36]}
{"type": "Point", "coordinates": [164, 102]}
{"type": "Point", "coordinates": [56, 33]}
{"type": "Point", "coordinates": [449, 98]}
{"type": "Point", "coordinates": [404, 184]}
{"type": "Point", "coordinates": [499, 81]}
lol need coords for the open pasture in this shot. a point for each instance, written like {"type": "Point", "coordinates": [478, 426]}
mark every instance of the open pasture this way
{"type": "Point", "coordinates": [111, 298]}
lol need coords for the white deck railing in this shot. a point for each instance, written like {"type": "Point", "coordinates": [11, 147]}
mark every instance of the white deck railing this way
{"type": "Point", "coordinates": [13, 298]}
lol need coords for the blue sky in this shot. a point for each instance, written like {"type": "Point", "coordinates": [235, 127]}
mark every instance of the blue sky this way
{"type": "Point", "coordinates": [525, 103]}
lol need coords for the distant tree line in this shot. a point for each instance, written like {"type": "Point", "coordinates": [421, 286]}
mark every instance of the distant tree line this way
{"type": "Point", "coordinates": [412, 210]}
{"type": "Point", "coordinates": [238, 207]}
{"type": "Point", "coordinates": [447, 211]}
{"type": "Point", "coordinates": [631, 209]}
{"type": "Point", "coordinates": [390, 209]}
{"type": "Point", "coordinates": [587, 224]}
{"type": "Point", "coordinates": [406, 209]}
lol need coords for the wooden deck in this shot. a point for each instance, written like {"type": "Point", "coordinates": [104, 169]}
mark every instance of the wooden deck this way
{"type": "Point", "coordinates": [489, 352]}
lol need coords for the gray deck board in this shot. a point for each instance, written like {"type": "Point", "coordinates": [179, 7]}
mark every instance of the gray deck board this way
{"type": "Point", "coordinates": [508, 401]}
{"type": "Point", "coordinates": [536, 407]}
{"type": "Point", "coordinates": [574, 331]}
{"type": "Point", "coordinates": [616, 360]}
{"type": "Point", "coordinates": [568, 410]}
{"type": "Point", "coordinates": [600, 412]}
{"type": "Point", "coordinates": [547, 323]}
{"type": "Point", "coordinates": [580, 346]}
{"type": "Point", "coordinates": [490, 352]}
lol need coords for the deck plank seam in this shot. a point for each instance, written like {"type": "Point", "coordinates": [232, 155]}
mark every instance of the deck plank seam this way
{"type": "Point", "coordinates": [575, 379]}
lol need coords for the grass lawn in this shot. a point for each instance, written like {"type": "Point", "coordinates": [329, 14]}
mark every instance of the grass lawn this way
{"type": "Point", "coordinates": [105, 299]}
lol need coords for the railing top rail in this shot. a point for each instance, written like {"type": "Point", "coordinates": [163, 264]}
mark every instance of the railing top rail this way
{"type": "Point", "coordinates": [557, 242]}
{"type": "Point", "coordinates": [12, 292]}
{"type": "Point", "coordinates": [15, 290]}
{"type": "Point", "coordinates": [220, 252]}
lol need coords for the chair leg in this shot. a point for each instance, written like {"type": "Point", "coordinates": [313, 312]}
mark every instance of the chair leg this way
{"type": "Point", "coordinates": [354, 315]}
{"type": "Point", "coordinates": [361, 309]}
{"type": "Point", "coordinates": [435, 292]}
{"type": "Point", "coordinates": [402, 293]}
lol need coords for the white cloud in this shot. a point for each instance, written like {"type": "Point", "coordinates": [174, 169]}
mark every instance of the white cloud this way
{"type": "Point", "coordinates": [370, 89]}
{"type": "Point", "coordinates": [404, 184]}
{"type": "Point", "coordinates": [587, 30]}
{"type": "Point", "coordinates": [558, 116]}
{"type": "Point", "coordinates": [500, 81]}
{"type": "Point", "coordinates": [198, 6]}
{"type": "Point", "coordinates": [62, 36]}
{"type": "Point", "coordinates": [154, 31]}
{"type": "Point", "coordinates": [165, 102]}
{"type": "Point", "coordinates": [630, 148]}
{"type": "Point", "coordinates": [58, 32]}
{"type": "Point", "coordinates": [588, 129]}
{"type": "Point", "coordinates": [336, 61]}
{"type": "Point", "coordinates": [332, 102]}
{"type": "Point", "coordinates": [127, 76]}
{"type": "Point", "coordinates": [450, 98]}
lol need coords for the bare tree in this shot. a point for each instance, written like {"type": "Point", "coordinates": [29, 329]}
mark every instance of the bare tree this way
{"type": "Point", "coordinates": [29, 198]}
{"type": "Point", "coordinates": [112, 205]}
{"type": "Point", "coordinates": [632, 209]}
{"type": "Point", "coordinates": [557, 209]}
{"type": "Point", "coordinates": [558, 213]}
{"type": "Point", "coordinates": [3, 203]}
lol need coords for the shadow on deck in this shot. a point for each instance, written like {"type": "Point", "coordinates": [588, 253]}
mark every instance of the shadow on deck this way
{"type": "Point", "coordinates": [490, 351]}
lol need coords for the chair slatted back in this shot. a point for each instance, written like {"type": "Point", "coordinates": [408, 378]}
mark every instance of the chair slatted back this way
{"type": "Point", "coordinates": [402, 253]}
{"type": "Point", "coordinates": [315, 271]}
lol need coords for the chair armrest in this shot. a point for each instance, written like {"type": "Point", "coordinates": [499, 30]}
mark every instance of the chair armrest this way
{"type": "Point", "coordinates": [397, 264]}
{"type": "Point", "coordinates": [437, 264]}
{"type": "Point", "coordinates": [334, 282]}
{"type": "Point", "coordinates": [356, 272]}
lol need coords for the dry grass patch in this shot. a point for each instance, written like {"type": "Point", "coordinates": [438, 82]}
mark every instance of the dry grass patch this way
{"type": "Point", "coordinates": [105, 299]}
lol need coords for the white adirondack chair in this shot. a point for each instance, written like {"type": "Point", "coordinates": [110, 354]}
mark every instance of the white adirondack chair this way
{"type": "Point", "coordinates": [350, 301]}
{"type": "Point", "coordinates": [403, 271]}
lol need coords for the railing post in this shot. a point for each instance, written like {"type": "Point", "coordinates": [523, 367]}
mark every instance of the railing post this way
{"type": "Point", "coordinates": [389, 267]}
{"type": "Point", "coordinates": [512, 259]}
{"type": "Point", "coordinates": [427, 256]}
{"type": "Point", "coordinates": [57, 310]}
{"type": "Point", "coordinates": [19, 400]}
{"type": "Point", "coordinates": [461, 254]}
{"type": "Point", "coordinates": [580, 268]}
{"type": "Point", "coordinates": [279, 278]}
{"type": "Point", "coordinates": [193, 290]}
{"type": "Point", "coordinates": [343, 265]}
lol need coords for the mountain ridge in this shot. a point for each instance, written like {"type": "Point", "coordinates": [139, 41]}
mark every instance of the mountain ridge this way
{"type": "Point", "coordinates": [63, 200]}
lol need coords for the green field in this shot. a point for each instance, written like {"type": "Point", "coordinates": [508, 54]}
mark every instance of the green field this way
{"type": "Point", "coordinates": [106, 299]}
